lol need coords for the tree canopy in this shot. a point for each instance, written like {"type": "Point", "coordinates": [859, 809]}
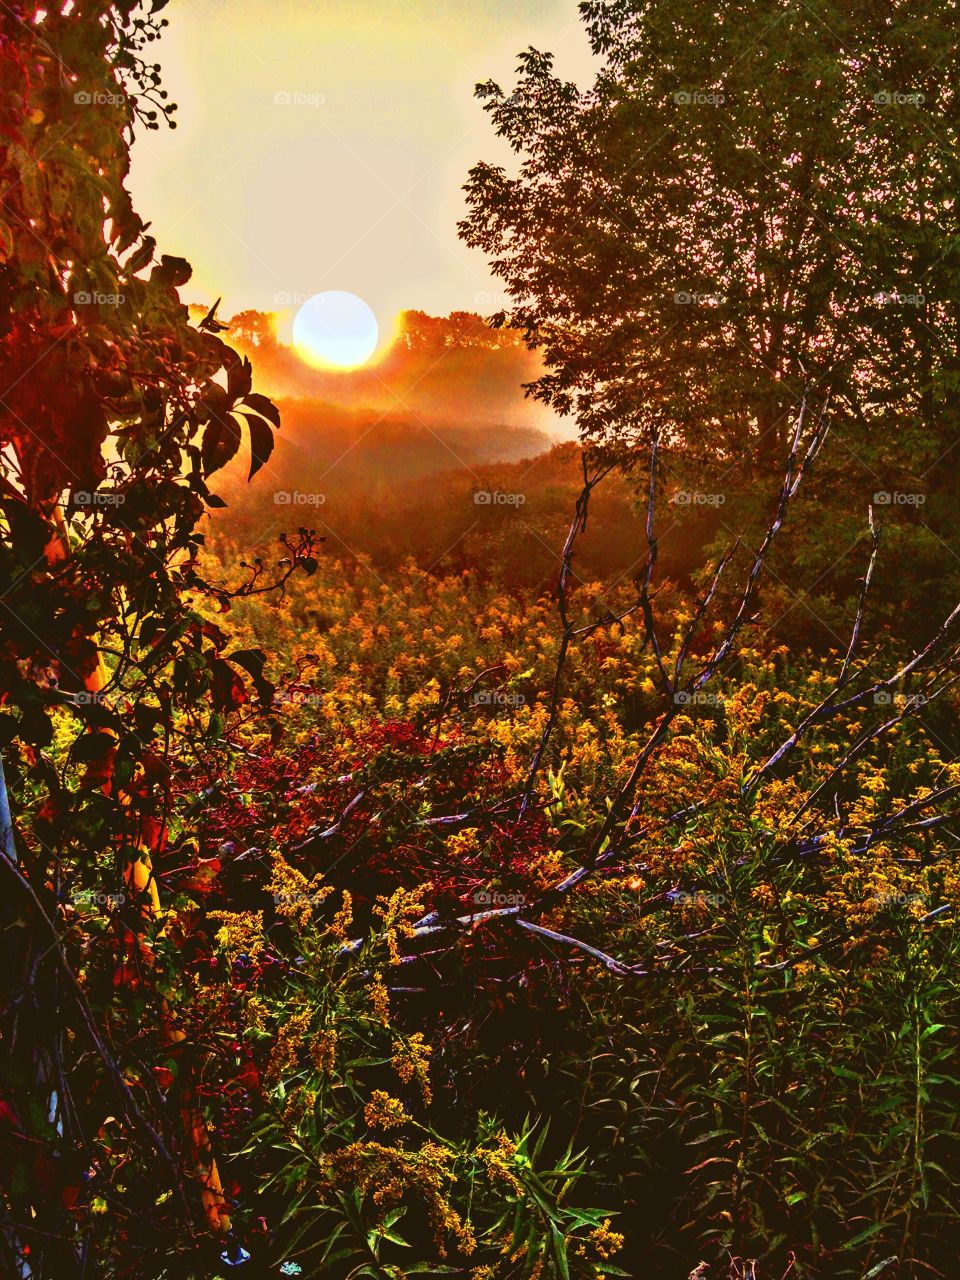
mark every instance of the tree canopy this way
{"type": "Point", "coordinates": [103, 380]}
{"type": "Point", "coordinates": [750, 199]}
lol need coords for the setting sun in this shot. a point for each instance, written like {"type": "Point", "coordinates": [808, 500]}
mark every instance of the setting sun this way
{"type": "Point", "coordinates": [479, 639]}
{"type": "Point", "coordinates": [335, 329]}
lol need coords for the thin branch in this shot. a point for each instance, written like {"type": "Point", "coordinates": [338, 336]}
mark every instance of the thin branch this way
{"type": "Point", "coordinates": [577, 526]}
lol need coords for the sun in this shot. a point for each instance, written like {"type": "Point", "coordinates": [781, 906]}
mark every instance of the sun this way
{"type": "Point", "coordinates": [335, 330]}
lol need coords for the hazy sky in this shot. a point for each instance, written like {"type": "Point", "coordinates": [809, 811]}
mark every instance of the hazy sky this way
{"type": "Point", "coordinates": [354, 183]}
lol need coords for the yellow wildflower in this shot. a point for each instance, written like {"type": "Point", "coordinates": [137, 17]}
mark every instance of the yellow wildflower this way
{"type": "Point", "coordinates": [605, 1241]}
{"type": "Point", "coordinates": [344, 918]}
{"type": "Point", "coordinates": [500, 1160]}
{"type": "Point", "coordinates": [294, 895]}
{"type": "Point", "coordinates": [323, 1051]}
{"type": "Point", "coordinates": [398, 913]}
{"type": "Point", "coordinates": [385, 1112]}
{"type": "Point", "coordinates": [411, 1060]}
{"type": "Point", "coordinates": [380, 997]}
{"type": "Point", "coordinates": [241, 932]}
{"type": "Point", "coordinates": [286, 1049]}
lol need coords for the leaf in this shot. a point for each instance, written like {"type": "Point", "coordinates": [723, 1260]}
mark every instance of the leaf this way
{"type": "Point", "coordinates": [142, 255]}
{"type": "Point", "coordinates": [239, 377]}
{"type": "Point", "coordinates": [253, 662]}
{"type": "Point", "coordinates": [30, 532]}
{"type": "Point", "coordinates": [385, 1233]}
{"type": "Point", "coordinates": [221, 440]}
{"type": "Point", "coordinates": [99, 752]}
{"type": "Point", "coordinates": [171, 271]}
{"type": "Point", "coordinates": [880, 1267]}
{"type": "Point", "coordinates": [560, 1251]}
{"type": "Point", "coordinates": [35, 727]}
{"type": "Point", "coordinates": [210, 323]}
{"type": "Point", "coordinates": [227, 688]}
{"type": "Point", "coordinates": [261, 442]}
{"type": "Point", "coordinates": [864, 1235]}
{"type": "Point", "coordinates": [265, 406]}
{"type": "Point", "coordinates": [8, 728]}
{"type": "Point", "coordinates": [55, 422]}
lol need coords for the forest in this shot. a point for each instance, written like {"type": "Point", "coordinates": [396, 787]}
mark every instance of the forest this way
{"type": "Point", "coordinates": [493, 812]}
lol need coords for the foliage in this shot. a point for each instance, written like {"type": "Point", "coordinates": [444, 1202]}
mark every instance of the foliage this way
{"type": "Point", "coordinates": [727, 214]}
{"type": "Point", "coordinates": [344, 1136]}
{"type": "Point", "coordinates": [115, 415]}
{"type": "Point", "coordinates": [748, 203]}
{"type": "Point", "coordinates": [91, 352]}
{"type": "Point", "coordinates": [501, 933]}
{"type": "Point", "coordinates": [790, 985]}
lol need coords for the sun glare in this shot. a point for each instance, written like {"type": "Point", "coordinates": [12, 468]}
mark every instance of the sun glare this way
{"type": "Point", "coordinates": [335, 330]}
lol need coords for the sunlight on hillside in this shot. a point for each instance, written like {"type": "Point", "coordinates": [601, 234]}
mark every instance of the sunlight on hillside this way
{"type": "Point", "coordinates": [479, 640]}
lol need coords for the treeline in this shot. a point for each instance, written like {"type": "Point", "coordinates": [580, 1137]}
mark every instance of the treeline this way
{"type": "Point", "coordinates": [436, 368]}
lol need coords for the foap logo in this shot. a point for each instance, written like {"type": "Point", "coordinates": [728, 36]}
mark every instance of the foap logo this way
{"type": "Point", "coordinates": [294, 299]}
{"type": "Point", "coordinates": [696, 97]}
{"type": "Point", "coordinates": [286, 98]}
{"type": "Point", "coordinates": [883, 498]}
{"type": "Point", "coordinates": [902, 701]}
{"type": "Point", "coordinates": [498, 698]}
{"type": "Point", "coordinates": [891, 298]}
{"type": "Point", "coordinates": [97, 98]}
{"type": "Point", "coordinates": [88, 498]}
{"type": "Point", "coordinates": [687, 499]}
{"type": "Point", "coordinates": [101, 899]}
{"type": "Point", "coordinates": [497, 898]}
{"type": "Point", "coordinates": [487, 299]}
{"type": "Point", "coordinates": [889, 899]}
{"type": "Point", "coordinates": [88, 698]}
{"type": "Point", "coordinates": [695, 898]}
{"type": "Point", "coordinates": [685, 299]}
{"type": "Point", "coordinates": [294, 498]}
{"type": "Point", "coordinates": [488, 498]}
{"type": "Point", "coordinates": [684, 698]}
{"type": "Point", "coordinates": [894, 98]}
{"type": "Point", "coordinates": [84, 299]}
{"type": "Point", "coordinates": [298, 698]}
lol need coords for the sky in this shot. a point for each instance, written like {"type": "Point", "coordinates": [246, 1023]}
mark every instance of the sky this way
{"type": "Point", "coordinates": [323, 144]}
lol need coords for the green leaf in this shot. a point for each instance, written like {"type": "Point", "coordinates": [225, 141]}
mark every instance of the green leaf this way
{"type": "Point", "coordinates": [559, 1246]}
{"type": "Point", "coordinates": [863, 1235]}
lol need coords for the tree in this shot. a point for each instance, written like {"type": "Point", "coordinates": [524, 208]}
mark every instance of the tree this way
{"type": "Point", "coordinates": [114, 414]}
{"type": "Point", "coordinates": [751, 199]}
{"type": "Point", "coordinates": [254, 329]}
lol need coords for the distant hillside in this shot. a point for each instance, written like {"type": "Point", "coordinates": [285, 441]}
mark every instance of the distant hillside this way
{"type": "Point", "coordinates": [434, 453]}
{"type": "Point", "coordinates": [442, 370]}
{"type": "Point", "coordinates": [355, 445]}
{"type": "Point", "coordinates": [379, 500]}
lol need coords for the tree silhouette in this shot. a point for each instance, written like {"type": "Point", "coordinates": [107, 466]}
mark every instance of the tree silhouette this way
{"type": "Point", "coordinates": [749, 200]}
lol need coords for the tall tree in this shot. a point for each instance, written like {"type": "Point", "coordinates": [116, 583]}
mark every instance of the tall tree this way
{"type": "Point", "coordinates": [749, 199]}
